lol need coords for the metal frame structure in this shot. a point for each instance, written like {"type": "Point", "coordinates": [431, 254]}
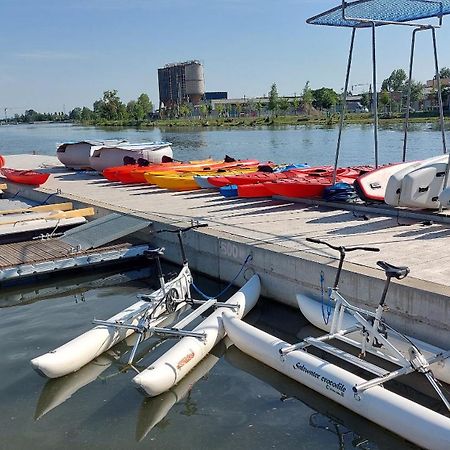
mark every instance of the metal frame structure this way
{"type": "Point", "coordinates": [376, 335]}
{"type": "Point", "coordinates": [171, 297]}
{"type": "Point", "coordinates": [442, 8]}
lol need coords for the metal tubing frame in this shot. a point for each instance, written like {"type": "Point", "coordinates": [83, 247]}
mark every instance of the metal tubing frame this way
{"type": "Point", "coordinates": [344, 104]}
{"type": "Point", "coordinates": [418, 27]}
{"type": "Point", "coordinates": [375, 93]}
{"type": "Point", "coordinates": [408, 100]}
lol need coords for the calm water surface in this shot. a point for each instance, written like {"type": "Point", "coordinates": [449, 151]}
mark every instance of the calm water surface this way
{"type": "Point", "coordinates": [236, 402]}
{"type": "Point", "coordinates": [313, 144]}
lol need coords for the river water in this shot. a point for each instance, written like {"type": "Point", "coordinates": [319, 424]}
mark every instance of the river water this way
{"type": "Point", "coordinates": [312, 144]}
{"type": "Point", "coordinates": [236, 402]}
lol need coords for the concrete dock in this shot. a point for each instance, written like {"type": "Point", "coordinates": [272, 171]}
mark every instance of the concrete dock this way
{"type": "Point", "coordinates": [274, 233]}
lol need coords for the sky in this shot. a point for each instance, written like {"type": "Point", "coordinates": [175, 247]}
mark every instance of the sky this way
{"type": "Point", "coordinates": [59, 54]}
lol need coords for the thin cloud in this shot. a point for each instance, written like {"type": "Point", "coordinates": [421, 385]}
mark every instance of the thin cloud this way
{"type": "Point", "coordinates": [48, 55]}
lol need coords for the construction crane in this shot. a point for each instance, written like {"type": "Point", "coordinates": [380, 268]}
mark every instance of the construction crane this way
{"type": "Point", "coordinates": [362, 84]}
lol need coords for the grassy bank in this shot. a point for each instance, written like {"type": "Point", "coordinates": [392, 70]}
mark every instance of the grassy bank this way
{"type": "Point", "coordinates": [328, 120]}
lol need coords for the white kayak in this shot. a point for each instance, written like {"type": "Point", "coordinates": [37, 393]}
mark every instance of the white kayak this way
{"type": "Point", "coordinates": [173, 366]}
{"type": "Point", "coordinates": [371, 186]}
{"type": "Point", "coordinates": [79, 351]}
{"type": "Point", "coordinates": [403, 417]}
{"type": "Point", "coordinates": [418, 185]}
{"type": "Point", "coordinates": [312, 310]}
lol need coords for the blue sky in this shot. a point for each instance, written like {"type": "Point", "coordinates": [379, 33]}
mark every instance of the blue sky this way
{"type": "Point", "coordinates": [64, 53]}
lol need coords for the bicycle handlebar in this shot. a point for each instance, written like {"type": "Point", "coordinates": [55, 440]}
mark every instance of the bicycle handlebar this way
{"type": "Point", "coordinates": [341, 248]}
{"type": "Point", "coordinates": [183, 230]}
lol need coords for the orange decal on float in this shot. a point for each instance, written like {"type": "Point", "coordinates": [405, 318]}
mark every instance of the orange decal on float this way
{"type": "Point", "coordinates": [185, 360]}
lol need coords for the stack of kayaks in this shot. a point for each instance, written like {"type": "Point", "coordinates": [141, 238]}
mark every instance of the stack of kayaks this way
{"type": "Point", "coordinates": [134, 173]}
{"type": "Point", "coordinates": [419, 184]}
{"type": "Point", "coordinates": [296, 183]}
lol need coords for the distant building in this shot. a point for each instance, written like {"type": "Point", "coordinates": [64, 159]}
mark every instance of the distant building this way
{"type": "Point", "coordinates": [180, 83]}
{"type": "Point", "coordinates": [430, 101]}
{"type": "Point", "coordinates": [215, 96]}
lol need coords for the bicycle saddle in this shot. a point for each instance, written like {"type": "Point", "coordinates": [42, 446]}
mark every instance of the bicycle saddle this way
{"type": "Point", "coordinates": [152, 253]}
{"type": "Point", "coordinates": [394, 271]}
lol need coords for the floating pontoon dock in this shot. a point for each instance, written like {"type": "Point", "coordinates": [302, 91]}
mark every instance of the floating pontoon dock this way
{"type": "Point", "coordinates": [79, 247]}
{"type": "Point", "coordinates": [274, 233]}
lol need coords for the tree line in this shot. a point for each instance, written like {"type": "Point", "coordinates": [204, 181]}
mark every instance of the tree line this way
{"type": "Point", "coordinates": [110, 107]}
{"type": "Point", "coordinates": [106, 109]}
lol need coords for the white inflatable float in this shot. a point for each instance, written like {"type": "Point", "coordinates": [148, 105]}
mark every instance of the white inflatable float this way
{"type": "Point", "coordinates": [403, 417]}
{"type": "Point", "coordinates": [173, 366]}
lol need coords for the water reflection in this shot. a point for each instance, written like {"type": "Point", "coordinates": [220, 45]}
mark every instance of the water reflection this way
{"type": "Point", "coordinates": [351, 430]}
{"type": "Point", "coordinates": [154, 410]}
{"type": "Point", "coordinates": [77, 285]}
{"type": "Point", "coordinates": [57, 391]}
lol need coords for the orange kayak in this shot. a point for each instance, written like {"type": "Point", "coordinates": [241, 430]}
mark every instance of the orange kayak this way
{"type": "Point", "coordinates": [120, 173]}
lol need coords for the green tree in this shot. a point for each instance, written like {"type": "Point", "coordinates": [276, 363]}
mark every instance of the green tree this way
{"type": "Point", "coordinates": [75, 114]}
{"type": "Point", "coordinates": [147, 106]}
{"type": "Point", "coordinates": [307, 98]}
{"type": "Point", "coordinates": [259, 107]}
{"type": "Point", "coordinates": [384, 99]}
{"type": "Point", "coordinates": [325, 98]}
{"type": "Point", "coordinates": [185, 110]}
{"type": "Point", "coordinates": [365, 99]}
{"type": "Point", "coordinates": [395, 82]}
{"type": "Point", "coordinates": [220, 108]}
{"type": "Point", "coordinates": [296, 104]}
{"type": "Point", "coordinates": [417, 91]}
{"type": "Point", "coordinates": [273, 99]}
{"type": "Point", "coordinates": [86, 114]}
{"type": "Point", "coordinates": [444, 73]}
{"type": "Point", "coordinates": [204, 110]}
{"type": "Point", "coordinates": [284, 104]}
{"type": "Point", "coordinates": [110, 107]}
{"type": "Point", "coordinates": [238, 109]}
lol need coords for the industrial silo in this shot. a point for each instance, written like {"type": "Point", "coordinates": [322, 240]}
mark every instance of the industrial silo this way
{"type": "Point", "coordinates": [195, 81]}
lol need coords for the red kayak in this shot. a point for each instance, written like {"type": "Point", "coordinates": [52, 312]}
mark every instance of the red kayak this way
{"type": "Point", "coordinates": [2, 161]}
{"type": "Point", "coordinates": [304, 185]}
{"type": "Point", "coordinates": [25, 176]}
{"type": "Point", "coordinates": [264, 177]}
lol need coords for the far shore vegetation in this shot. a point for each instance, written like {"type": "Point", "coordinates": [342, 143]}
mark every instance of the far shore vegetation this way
{"type": "Point", "coordinates": [313, 107]}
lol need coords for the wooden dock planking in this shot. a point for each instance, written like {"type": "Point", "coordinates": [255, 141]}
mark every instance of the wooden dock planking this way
{"type": "Point", "coordinates": [30, 252]}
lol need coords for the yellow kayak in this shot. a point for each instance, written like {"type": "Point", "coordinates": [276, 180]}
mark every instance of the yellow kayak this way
{"type": "Point", "coordinates": [185, 181]}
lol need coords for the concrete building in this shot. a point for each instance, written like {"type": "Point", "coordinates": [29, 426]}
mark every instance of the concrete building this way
{"type": "Point", "coordinates": [181, 83]}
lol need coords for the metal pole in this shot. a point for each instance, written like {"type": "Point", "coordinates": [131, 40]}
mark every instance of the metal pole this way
{"type": "Point", "coordinates": [441, 112]}
{"type": "Point", "coordinates": [438, 80]}
{"type": "Point", "coordinates": [408, 101]}
{"type": "Point", "coordinates": [344, 104]}
{"type": "Point", "coordinates": [375, 94]}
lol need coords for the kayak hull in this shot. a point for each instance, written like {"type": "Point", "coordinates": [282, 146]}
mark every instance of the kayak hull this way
{"type": "Point", "coordinates": [29, 177]}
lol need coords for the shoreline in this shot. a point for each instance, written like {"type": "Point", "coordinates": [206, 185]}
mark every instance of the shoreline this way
{"type": "Point", "coordinates": [253, 122]}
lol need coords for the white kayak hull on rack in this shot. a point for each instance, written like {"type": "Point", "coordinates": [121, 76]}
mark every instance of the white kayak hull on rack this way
{"type": "Point", "coordinates": [312, 310]}
{"type": "Point", "coordinates": [371, 186]}
{"type": "Point", "coordinates": [173, 366]}
{"type": "Point", "coordinates": [419, 185]}
{"type": "Point", "coordinates": [76, 353]}
{"type": "Point", "coordinates": [410, 420]}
